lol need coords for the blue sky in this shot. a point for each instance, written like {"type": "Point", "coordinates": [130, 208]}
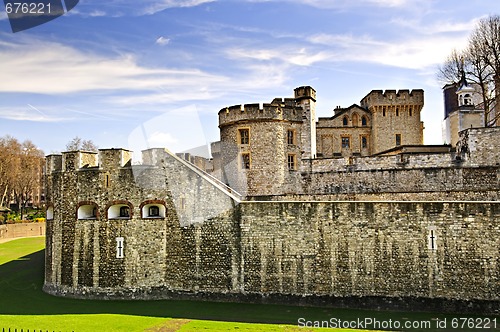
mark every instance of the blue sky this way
{"type": "Point", "coordinates": [139, 74]}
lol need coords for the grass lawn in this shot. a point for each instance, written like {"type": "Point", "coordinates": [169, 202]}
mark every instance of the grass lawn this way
{"type": "Point", "coordinates": [23, 305]}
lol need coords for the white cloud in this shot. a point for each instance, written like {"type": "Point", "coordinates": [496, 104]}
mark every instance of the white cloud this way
{"type": "Point", "coordinates": [162, 40]}
{"type": "Point", "coordinates": [97, 13]}
{"type": "Point", "coordinates": [415, 53]}
{"type": "Point", "coordinates": [53, 68]}
{"type": "Point", "coordinates": [30, 114]}
{"type": "Point", "coordinates": [437, 27]}
{"type": "Point", "coordinates": [158, 6]}
{"type": "Point", "coordinates": [342, 4]}
{"type": "Point", "coordinates": [290, 55]}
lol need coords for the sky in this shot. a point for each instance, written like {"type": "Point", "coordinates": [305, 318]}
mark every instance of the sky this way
{"type": "Point", "coordinates": [155, 73]}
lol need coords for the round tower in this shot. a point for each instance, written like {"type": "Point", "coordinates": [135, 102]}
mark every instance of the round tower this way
{"type": "Point", "coordinates": [260, 146]}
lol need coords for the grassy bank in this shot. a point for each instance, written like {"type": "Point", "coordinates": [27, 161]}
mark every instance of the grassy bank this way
{"type": "Point", "coordinates": [24, 305]}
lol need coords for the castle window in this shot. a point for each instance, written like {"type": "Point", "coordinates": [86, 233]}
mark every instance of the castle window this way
{"type": "Point", "coordinates": [290, 134]}
{"type": "Point", "coordinates": [87, 211]}
{"type": "Point", "coordinates": [153, 210]}
{"type": "Point", "coordinates": [50, 213]}
{"type": "Point", "coordinates": [467, 99]}
{"type": "Point", "coordinates": [124, 212]}
{"type": "Point", "coordinates": [244, 136]}
{"type": "Point", "coordinates": [119, 247]}
{"type": "Point", "coordinates": [410, 111]}
{"type": "Point", "coordinates": [345, 122]}
{"type": "Point", "coordinates": [292, 162]}
{"type": "Point", "coordinates": [345, 142]}
{"type": "Point", "coordinates": [245, 161]}
{"type": "Point", "coordinates": [364, 142]}
{"type": "Point", "coordinates": [383, 111]}
{"type": "Point", "coordinates": [397, 111]}
{"type": "Point", "coordinates": [398, 139]}
{"type": "Point", "coordinates": [120, 210]}
{"type": "Point", "coordinates": [363, 121]}
{"type": "Point", "coordinates": [432, 238]}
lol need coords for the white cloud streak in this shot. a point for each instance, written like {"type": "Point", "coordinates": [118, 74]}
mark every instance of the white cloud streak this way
{"type": "Point", "coordinates": [157, 6]}
{"type": "Point", "coordinates": [52, 68]}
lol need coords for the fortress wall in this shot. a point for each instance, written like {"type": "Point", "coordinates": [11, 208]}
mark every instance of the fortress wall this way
{"type": "Point", "coordinates": [404, 161]}
{"type": "Point", "coordinates": [402, 181]}
{"type": "Point", "coordinates": [192, 246]}
{"type": "Point", "coordinates": [480, 146]}
{"type": "Point", "coordinates": [345, 249]}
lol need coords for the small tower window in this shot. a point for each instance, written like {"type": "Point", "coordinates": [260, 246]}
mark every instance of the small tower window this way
{"type": "Point", "coordinates": [345, 122]}
{"type": "Point", "coordinates": [291, 162]}
{"type": "Point", "coordinates": [154, 211]}
{"type": "Point", "coordinates": [398, 139]}
{"type": "Point", "coordinates": [467, 99]}
{"type": "Point", "coordinates": [119, 247]}
{"type": "Point", "coordinates": [245, 160]}
{"type": "Point", "coordinates": [87, 211]}
{"type": "Point", "coordinates": [124, 212]}
{"type": "Point", "coordinates": [383, 111]}
{"type": "Point", "coordinates": [363, 121]}
{"type": "Point", "coordinates": [397, 111]}
{"type": "Point", "coordinates": [410, 111]}
{"type": "Point", "coordinates": [364, 142]}
{"type": "Point", "coordinates": [290, 137]}
{"type": "Point", "coordinates": [244, 136]}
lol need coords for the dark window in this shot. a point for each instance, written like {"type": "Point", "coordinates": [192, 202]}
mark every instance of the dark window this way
{"type": "Point", "coordinates": [154, 211]}
{"type": "Point", "coordinates": [244, 136]}
{"type": "Point", "coordinates": [345, 121]}
{"type": "Point", "coordinates": [124, 212]}
{"type": "Point", "coordinates": [397, 111]}
{"type": "Point", "coordinates": [245, 160]}
{"type": "Point", "coordinates": [291, 162]}
{"type": "Point", "coordinates": [411, 111]}
{"type": "Point", "coordinates": [290, 137]}
{"type": "Point", "coordinates": [363, 121]}
{"type": "Point", "coordinates": [383, 111]}
{"type": "Point", "coordinates": [398, 139]}
{"type": "Point", "coordinates": [345, 143]}
{"type": "Point", "coordinates": [364, 142]}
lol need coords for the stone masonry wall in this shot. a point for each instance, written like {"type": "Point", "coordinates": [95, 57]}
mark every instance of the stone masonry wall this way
{"type": "Point", "coordinates": [191, 247]}
{"type": "Point", "coordinates": [344, 249]}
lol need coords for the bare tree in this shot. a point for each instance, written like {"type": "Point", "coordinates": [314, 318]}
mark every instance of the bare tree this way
{"type": "Point", "coordinates": [485, 41]}
{"type": "Point", "coordinates": [78, 144]}
{"type": "Point", "coordinates": [480, 63]}
{"type": "Point", "coordinates": [453, 67]}
{"type": "Point", "coordinates": [29, 178]}
{"type": "Point", "coordinates": [9, 167]}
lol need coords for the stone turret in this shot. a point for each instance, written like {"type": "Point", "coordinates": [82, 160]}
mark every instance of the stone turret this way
{"type": "Point", "coordinates": [395, 118]}
{"type": "Point", "coordinates": [261, 147]}
{"type": "Point", "coordinates": [305, 96]}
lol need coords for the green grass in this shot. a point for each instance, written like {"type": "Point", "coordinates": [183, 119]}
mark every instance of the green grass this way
{"type": "Point", "coordinates": [23, 305]}
{"type": "Point", "coordinates": [16, 249]}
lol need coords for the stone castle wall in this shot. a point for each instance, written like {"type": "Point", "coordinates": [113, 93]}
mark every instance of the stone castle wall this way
{"type": "Point", "coordinates": [209, 244]}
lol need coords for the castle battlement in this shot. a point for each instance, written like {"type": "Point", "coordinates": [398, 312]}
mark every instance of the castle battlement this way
{"type": "Point", "coordinates": [284, 111]}
{"type": "Point", "coordinates": [391, 97]}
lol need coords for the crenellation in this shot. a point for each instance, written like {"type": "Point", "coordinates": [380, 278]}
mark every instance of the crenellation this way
{"type": "Point", "coordinates": [53, 163]}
